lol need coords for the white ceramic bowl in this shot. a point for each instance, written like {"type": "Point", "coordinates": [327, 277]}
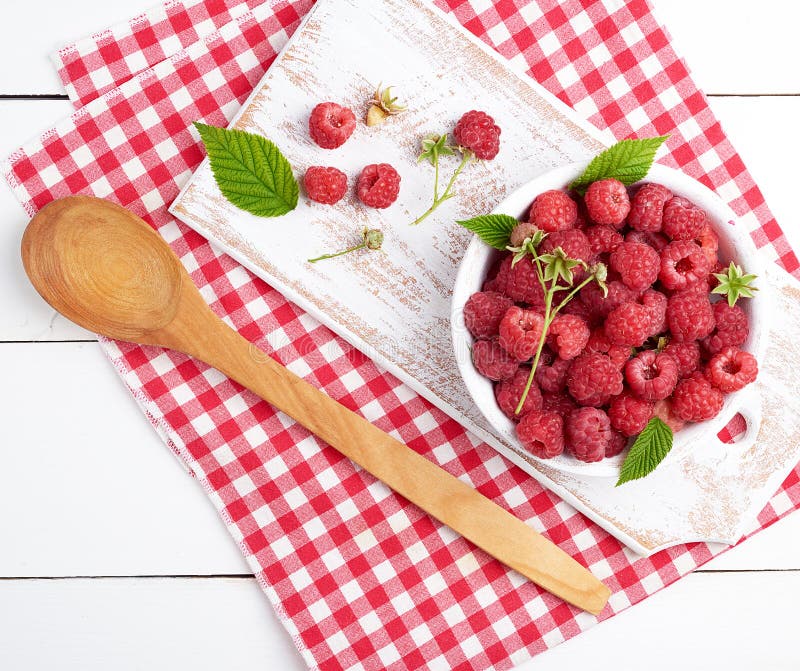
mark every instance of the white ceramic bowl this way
{"type": "Point", "coordinates": [734, 244]}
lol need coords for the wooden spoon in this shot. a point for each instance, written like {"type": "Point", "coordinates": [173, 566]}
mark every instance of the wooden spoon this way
{"type": "Point", "coordinates": [107, 270]}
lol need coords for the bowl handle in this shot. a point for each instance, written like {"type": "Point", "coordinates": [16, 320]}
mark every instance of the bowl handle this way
{"type": "Point", "coordinates": [749, 407]}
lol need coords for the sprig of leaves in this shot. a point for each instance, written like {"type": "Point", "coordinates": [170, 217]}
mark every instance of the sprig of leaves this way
{"type": "Point", "coordinates": [734, 284]}
{"type": "Point", "coordinates": [433, 148]}
{"type": "Point", "coordinates": [493, 229]}
{"type": "Point", "coordinates": [628, 161]}
{"type": "Point", "coordinates": [250, 171]}
{"type": "Point", "coordinates": [647, 451]}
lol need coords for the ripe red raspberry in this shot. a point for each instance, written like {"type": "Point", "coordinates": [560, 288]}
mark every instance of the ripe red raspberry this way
{"type": "Point", "coordinates": [599, 342]}
{"type": "Point", "coordinates": [652, 376]}
{"type": "Point", "coordinates": [629, 414]}
{"type": "Point", "coordinates": [521, 232]}
{"type": "Point", "coordinates": [520, 282]}
{"type": "Point", "coordinates": [551, 376]}
{"type": "Point", "coordinates": [732, 369]}
{"type": "Point", "coordinates": [637, 264]}
{"type": "Point", "coordinates": [647, 207]}
{"type": "Point", "coordinates": [663, 410]}
{"type": "Point", "coordinates": [493, 361]}
{"type": "Point", "coordinates": [629, 325]}
{"type": "Point", "coordinates": [603, 239]}
{"type": "Point", "coordinates": [325, 185]}
{"type": "Point", "coordinates": [508, 392]}
{"type": "Point", "coordinates": [542, 434]}
{"type": "Point", "coordinates": [607, 202]}
{"type": "Point", "coordinates": [483, 312]}
{"type": "Point", "coordinates": [478, 132]}
{"type": "Point", "coordinates": [567, 335]}
{"type": "Point", "coordinates": [656, 303]}
{"type": "Point", "coordinates": [708, 241]}
{"type": "Point", "coordinates": [599, 306]}
{"type": "Point", "coordinates": [593, 379]}
{"type": "Point", "coordinates": [330, 125]}
{"type": "Point", "coordinates": [561, 404]}
{"type": "Point", "coordinates": [731, 330]}
{"type": "Point", "coordinates": [683, 264]}
{"type": "Point", "coordinates": [520, 332]}
{"type": "Point", "coordinates": [656, 240]}
{"type": "Point", "coordinates": [553, 211]}
{"type": "Point", "coordinates": [689, 316]}
{"type": "Point", "coordinates": [578, 309]}
{"type": "Point", "coordinates": [682, 220]}
{"type": "Point", "coordinates": [587, 433]}
{"type": "Point", "coordinates": [378, 185]}
{"type": "Point", "coordinates": [616, 444]}
{"type": "Point", "coordinates": [687, 356]}
{"type": "Point", "coordinates": [695, 400]}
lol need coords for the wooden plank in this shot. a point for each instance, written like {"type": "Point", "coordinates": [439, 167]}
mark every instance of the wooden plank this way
{"type": "Point", "coordinates": [208, 624]}
{"type": "Point", "coordinates": [92, 490]}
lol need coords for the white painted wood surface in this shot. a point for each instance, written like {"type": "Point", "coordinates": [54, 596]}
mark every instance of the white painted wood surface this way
{"type": "Point", "coordinates": [70, 493]}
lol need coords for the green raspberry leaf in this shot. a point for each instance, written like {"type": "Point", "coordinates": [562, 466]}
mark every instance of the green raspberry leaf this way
{"type": "Point", "coordinates": [250, 171]}
{"type": "Point", "coordinates": [628, 161]}
{"type": "Point", "coordinates": [493, 229]}
{"type": "Point", "coordinates": [647, 451]}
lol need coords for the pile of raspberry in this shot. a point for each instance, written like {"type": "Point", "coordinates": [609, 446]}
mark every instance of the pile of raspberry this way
{"type": "Point", "coordinates": [659, 344]}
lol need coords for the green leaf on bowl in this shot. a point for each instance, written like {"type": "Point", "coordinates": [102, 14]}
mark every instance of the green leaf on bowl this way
{"type": "Point", "coordinates": [647, 451]}
{"type": "Point", "coordinates": [628, 161]}
{"type": "Point", "coordinates": [493, 229]}
{"type": "Point", "coordinates": [250, 171]}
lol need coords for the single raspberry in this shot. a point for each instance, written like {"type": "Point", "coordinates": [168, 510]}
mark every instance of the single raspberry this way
{"type": "Point", "coordinates": [493, 361]}
{"type": "Point", "coordinates": [682, 220]}
{"type": "Point", "coordinates": [325, 185]}
{"type": "Point", "coordinates": [647, 207]}
{"type": "Point", "coordinates": [683, 264]}
{"type": "Point", "coordinates": [574, 243]}
{"type": "Point", "coordinates": [687, 356]}
{"type": "Point", "coordinates": [656, 303]}
{"type": "Point", "coordinates": [587, 433]}
{"type": "Point", "coordinates": [522, 231]}
{"type": "Point", "coordinates": [520, 282]}
{"type": "Point", "coordinates": [708, 241]}
{"type": "Point", "coordinates": [607, 202]}
{"type": "Point", "coordinates": [656, 240]}
{"type": "Point", "coordinates": [593, 379]}
{"type": "Point", "coordinates": [520, 332]}
{"type": "Point", "coordinates": [561, 404]}
{"type": "Point", "coordinates": [603, 239]}
{"type": "Point", "coordinates": [330, 125]}
{"type": "Point", "coordinates": [695, 400]}
{"type": "Point", "coordinates": [579, 309]}
{"type": "Point", "coordinates": [483, 312]}
{"type": "Point", "coordinates": [629, 414]}
{"type": "Point", "coordinates": [629, 325]}
{"type": "Point", "coordinates": [378, 185]}
{"type": "Point", "coordinates": [551, 375]}
{"type": "Point", "coordinates": [637, 264]}
{"type": "Point", "coordinates": [601, 306]}
{"type": "Point", "coordinates": [478, 132]}
{"type": "Point", "coordinates": [663, 410]}
{"type": "Point", "coordinates": [731, 330]}
{"type": "Point", "coordinates": [689, 316]}
{"type": "Point", "coordinates": [553, 211]}
{"type": "Point", "coordinates": [617, 442]}
{"type": "Point", "coordinates": [508, 392]}
{"type": "Point", "coordinates": [568, 335]}
{"type": "Point", "coordinates": [652, 376]}
{"type": "Point", "coordinates": [599, 342]}
{"type": "Point", "coordinates": [542, 434]}
{"type": "Point", "coordinates": [732, 369]}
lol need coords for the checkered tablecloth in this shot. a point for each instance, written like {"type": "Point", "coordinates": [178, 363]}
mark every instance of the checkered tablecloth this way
{"type": "Point", "coordinates": [360, 578]}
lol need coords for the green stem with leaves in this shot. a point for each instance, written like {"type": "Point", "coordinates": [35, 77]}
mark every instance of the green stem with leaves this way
{"type": "Point", "coordinates": [448, 191]}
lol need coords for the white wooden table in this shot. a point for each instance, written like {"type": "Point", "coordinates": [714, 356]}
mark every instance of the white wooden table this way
{"type": "Point", "coordinates": [100, 572]}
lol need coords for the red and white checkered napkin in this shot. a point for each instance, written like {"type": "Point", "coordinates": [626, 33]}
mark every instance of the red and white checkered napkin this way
{"type": "Point", "coordinates": [359, 577]}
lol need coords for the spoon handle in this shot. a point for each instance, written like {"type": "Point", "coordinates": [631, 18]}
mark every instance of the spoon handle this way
{"type": "Point", "coordinates": [203, 335]}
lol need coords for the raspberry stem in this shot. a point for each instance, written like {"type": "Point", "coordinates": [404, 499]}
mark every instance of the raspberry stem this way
{"type": "Point", "coordinates": [372, 239]}
{"type": "Point", "coordinates": [335, 254]}
{"type": "Point", "coordinates": [448, 192]}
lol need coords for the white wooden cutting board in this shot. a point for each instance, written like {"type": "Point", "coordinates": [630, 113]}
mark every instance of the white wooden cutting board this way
{"type": "Point", "coordinates": [395, 306]}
